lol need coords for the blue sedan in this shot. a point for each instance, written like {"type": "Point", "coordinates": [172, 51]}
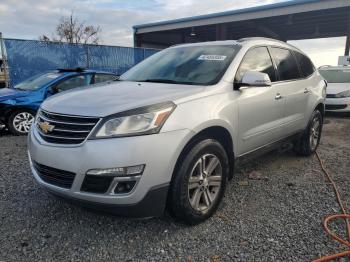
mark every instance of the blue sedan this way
{"type": "Point", "coordinates": [19, 104]}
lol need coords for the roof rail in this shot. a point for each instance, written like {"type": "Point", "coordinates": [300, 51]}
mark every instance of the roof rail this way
{"type": "Point", "coordinates": [269, 39]}
{"type": "Point", "coordinates": [259, 38]}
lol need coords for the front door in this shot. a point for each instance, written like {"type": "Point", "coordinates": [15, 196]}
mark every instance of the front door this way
{"type": "Point", "coordinates": [261, 109]}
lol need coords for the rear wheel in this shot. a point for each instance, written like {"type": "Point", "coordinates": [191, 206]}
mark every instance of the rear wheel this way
{"type": "Point", "coordinates": [199, 183]}
{"type": "Point", "coordinates": [20, 121]}
{"type": "Point", "coordinates": [308, 143]}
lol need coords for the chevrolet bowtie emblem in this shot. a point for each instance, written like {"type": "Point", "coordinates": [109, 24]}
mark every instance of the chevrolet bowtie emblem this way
{"type": "Point", "coordinates": [46, 127]}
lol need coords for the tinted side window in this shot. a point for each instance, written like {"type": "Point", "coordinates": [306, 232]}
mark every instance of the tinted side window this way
{"type": "Point", "coordinates": [286, 64]}
{"type": "Point", "coordinates": [103, 78]}
{"type": "Point", "coordinates": [256, 59]}
{"type": "Point", "coordinates": [73, 82]}
{"type": "Point", "coordinates": [306, 66]}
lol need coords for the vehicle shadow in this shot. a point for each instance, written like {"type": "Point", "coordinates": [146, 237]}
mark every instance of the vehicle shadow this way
{"type": "Point", "coordinates": [338, 115]}
{"type": "Point", "coordinates": [4, 131]}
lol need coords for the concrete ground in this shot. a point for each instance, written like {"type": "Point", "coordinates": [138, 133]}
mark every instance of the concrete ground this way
{"type": "Point", "coordinates": [277, 217]}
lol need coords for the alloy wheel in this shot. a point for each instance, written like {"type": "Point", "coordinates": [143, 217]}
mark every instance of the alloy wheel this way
{"type": "Point", "coordinates": [315, 131]}
{"type": "Point", "coordinates": [205, 182]}
{"type": "Point", "coordinates": [22, 122]}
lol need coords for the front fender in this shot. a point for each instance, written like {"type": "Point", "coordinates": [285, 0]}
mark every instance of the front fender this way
{"type": "Point", "coordinates": [218, 110]}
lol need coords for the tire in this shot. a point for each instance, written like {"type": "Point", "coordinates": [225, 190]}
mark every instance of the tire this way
{"type": "Point", "coordinates": [195, 205]}
{"type": "Point", "coordinates": [20, 121]}
{"type": "Point", "coordinates": [309, 141]}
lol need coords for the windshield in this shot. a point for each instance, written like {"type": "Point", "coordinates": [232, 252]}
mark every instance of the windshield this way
{"type": "Point", "coordinates": [37, 81]}
{"type": "Point", "coordinates": [336, 76]}
{"type": "Point", "coordinates": [193, 65]}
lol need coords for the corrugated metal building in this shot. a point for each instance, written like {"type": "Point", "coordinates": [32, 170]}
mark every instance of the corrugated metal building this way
{"type": "Point", "coordinates": [291, 20]}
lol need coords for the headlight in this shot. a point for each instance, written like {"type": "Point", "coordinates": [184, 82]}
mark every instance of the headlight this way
{"type": "Point", "coordinates": [9, 102]}
{"type": "Point", "coordinates": [139, 121]}
{"type": "Point", "coordinates": [343, 94]}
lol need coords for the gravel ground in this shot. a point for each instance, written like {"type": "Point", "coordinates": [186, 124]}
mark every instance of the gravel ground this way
{"type": "Point", "coordinates": [277, 218]}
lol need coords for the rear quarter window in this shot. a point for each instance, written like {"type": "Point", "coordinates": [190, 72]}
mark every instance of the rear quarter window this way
{"type": "Point", "coordinates": [306, 66]}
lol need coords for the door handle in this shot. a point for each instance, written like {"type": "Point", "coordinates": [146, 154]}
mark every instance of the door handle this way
{"type": "Point", "coordinates": [306, 91]}
{"type": "Point", "coordinates": [278, 96]}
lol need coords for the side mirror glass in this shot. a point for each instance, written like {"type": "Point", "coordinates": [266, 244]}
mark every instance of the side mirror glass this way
{"type": "Point", "coordinates": [52, 91]}
{"type": "Point", "coordinates": [257, 79]}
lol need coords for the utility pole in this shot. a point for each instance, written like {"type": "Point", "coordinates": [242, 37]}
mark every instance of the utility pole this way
{"type": "Point", "coordinates": [347, 44]}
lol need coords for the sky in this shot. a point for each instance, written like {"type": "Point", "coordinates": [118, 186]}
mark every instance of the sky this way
{"type": "Point", "coordinates": [28, 19]}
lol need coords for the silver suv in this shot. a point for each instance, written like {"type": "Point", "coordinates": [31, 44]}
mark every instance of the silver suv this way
{"type": "Point", "coordinates": [167, 134]}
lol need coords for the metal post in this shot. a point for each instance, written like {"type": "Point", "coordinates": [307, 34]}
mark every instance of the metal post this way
{"type": "Point", "coordinates": [87, 56]}
{"type": "Point", "coordinates": [4, 61]}
{"type": "Point", "coordinates": [347, 45]}
{"type": "Point", "coordinates": [137, 39]}
{"type": "Point", "coordinates": [221, 32]}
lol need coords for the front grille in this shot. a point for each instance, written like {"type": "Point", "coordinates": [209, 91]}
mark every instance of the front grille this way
{"type": "Point", "coordinates": [335, 107]}
{"type": "Point", "coordinates": [54, 176]}
{"type": "Point", "coordinates": [331, 96]}
{"type": "Point", "coordinates": [64, 129]}
{"type": "Point", "coordinates": [96, 184]}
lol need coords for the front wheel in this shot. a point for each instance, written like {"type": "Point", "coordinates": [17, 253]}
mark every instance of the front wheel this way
{"type": "Point", "coordinates": [199, 183]}
{"type": "Point", "coordinates": [308, 143]}
{"type": "Point", "coordinates": [20, 121]}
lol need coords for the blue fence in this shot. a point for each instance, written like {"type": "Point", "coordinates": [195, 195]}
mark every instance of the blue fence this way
{"type": "Point", "coordinates": [29, 57]}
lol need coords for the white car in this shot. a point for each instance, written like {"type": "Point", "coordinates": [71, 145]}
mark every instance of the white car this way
{"type": "Point", "coordinates": [167, 134]}
{"type": "Point", "coordinates": [338, 90]}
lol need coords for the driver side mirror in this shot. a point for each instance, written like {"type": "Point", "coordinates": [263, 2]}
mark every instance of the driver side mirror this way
{"type": "Point", "coordinates": [255, 79]}
{"type": "Point", "coordinates": [52, 91]}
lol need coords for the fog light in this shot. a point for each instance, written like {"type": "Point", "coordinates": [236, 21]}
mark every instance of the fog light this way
{"type": "Point", "coordinates": [124, 187]}
{"type": "Point", "coordinates": [118, 171]}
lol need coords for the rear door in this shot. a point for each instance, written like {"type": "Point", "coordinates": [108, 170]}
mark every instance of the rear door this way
{"type": "Point", "coordinates": [260, 109]}
{"type": "Point", "coordinates": [294, 89]}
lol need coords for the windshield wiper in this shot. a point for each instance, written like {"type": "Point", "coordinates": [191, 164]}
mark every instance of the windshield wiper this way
{"type": "Point", "coordinates": [167, 81]}
{"type": "Point", "coordinates": [160, 80]}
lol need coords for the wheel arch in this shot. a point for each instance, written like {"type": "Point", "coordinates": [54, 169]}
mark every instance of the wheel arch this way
{"type": "Point", "coordinates": [13, 109]}
{"type": "Point", "coordinates": [321, 107]}
{"type": "Point", "coordinates": [217, 132]}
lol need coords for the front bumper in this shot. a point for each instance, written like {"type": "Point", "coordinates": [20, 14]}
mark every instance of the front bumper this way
{"type": "Point", "coordinates": [158, 152]}
{"type": "Point", "coordinates": [338, 104]}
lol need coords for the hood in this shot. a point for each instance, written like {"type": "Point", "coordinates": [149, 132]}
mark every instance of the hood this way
{"type": "Point", "coordinates": [335, 88]}
{"type": "Point", "coordinates": [11, 93]}
{"type": "Point", "coordinates": [116, 97]}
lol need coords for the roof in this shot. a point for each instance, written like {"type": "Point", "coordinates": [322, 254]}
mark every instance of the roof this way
{"type": "Point", "coordinates": [287, 7]}
{"type": "Point", "coordinates": [213, 43]}
{"type": "Point", "coordinates": [248, 40]}
{"type": "Point", "coordinates": [270, 41]}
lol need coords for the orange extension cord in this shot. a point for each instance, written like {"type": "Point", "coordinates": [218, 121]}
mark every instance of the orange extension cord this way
{"type": "Point", "coordinates": [328, 219]}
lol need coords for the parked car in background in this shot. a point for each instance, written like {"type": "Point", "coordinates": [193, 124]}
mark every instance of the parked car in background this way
{"type": "Point", "coordinates": [338, 90]}
{"type": "Point", "coordinates": [18, 105]}
{"type": "Point", "coordinates": [167, 134]}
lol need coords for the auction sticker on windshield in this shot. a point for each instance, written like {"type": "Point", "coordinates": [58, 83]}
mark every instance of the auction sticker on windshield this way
{"type": "Point", "coordinates": [212, 57]}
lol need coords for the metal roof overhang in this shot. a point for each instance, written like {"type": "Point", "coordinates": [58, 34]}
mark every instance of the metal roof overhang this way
{"type": "Point", "coordinates": [291, 20]}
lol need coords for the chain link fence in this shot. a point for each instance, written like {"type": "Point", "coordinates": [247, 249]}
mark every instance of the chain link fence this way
{"type": "Point", "coordinates": [29, 57]}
